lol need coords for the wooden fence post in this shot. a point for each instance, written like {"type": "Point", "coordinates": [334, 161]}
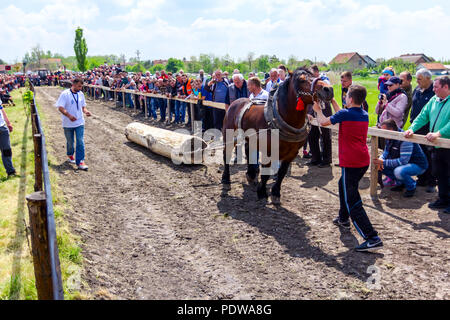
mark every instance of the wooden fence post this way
{"type": "Point", "coordinates": [192, 116]}
{"type": "Point", "coordinates": [373, 169]}
{"type": "Point", "coordinates": [37, 209]}
{"type": "Point", "coordinates": [145, 107]}
{"type": "Point", "coordinates": [123, 98]}
{"type": "Point", "coordinates": [37, 140]}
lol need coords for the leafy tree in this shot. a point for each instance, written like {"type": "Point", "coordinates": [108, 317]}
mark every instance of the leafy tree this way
{"type": "Point", "coordinates": [263, 64]}
{"type": "Point", "coordinates": [157, 67]}
{"type": "Point", "coordinates": [81, 49]}
{"type": "Point", "coordinates": [174, 65]}
{"type": "Point", "coordinates": [2, 62]}
{"type": "Point", "coordinates": [37, 54]}
{"type": "Point", "coordinates": [250, 58]}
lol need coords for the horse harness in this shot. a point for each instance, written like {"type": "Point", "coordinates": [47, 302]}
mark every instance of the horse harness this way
{"type": "Point", "coordinates": [274, 120]}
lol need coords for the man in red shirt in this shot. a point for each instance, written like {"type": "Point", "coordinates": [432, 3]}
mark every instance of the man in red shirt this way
{"type": "Point", "coordinates": [354, 159]}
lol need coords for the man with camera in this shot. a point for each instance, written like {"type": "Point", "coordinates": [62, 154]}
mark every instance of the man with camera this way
{"type": "Point", "coordinates": [392, 105]}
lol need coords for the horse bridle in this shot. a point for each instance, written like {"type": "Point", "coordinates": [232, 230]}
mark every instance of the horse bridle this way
{"type": "Point", "coordinates": [311, 94]}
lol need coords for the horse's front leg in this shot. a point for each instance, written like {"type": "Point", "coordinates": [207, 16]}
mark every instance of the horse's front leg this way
{"type": "Point", "coordinates": [276, 189]}
{"type": "Point", "coordinates": [252, 168]}
{"type": "Point", "coordinates": [227, 153]}
{"type": "Point", "coordinates": [262, 186]}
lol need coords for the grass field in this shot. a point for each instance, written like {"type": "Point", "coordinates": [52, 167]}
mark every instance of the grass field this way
{"type": "Point", "coordinates": [16, 263]}
{"type": "Point", "coordinates": [371, 84]}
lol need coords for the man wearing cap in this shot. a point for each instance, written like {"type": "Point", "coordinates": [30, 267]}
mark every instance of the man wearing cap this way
{"type": "Point", "coordinates": [393, 104]}
{"type": "Point", "coordinates": [5, 143]}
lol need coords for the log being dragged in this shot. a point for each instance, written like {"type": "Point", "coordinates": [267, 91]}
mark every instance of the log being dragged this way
{"type": "Point", "coordinates": [181, 148]}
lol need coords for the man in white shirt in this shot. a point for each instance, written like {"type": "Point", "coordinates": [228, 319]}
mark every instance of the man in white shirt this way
{"type": "Point", "coordinates": [72, 105]}
{"type": "Point", "coordinates": [254, 86]}
{"type": "Point", "coordinates": [274, 79]}
{"type": "Point", "coordinates": [5, 143]}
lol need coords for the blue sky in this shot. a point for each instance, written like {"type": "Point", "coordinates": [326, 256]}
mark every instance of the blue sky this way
{"type": "Point", "coordinates": [162, 28]}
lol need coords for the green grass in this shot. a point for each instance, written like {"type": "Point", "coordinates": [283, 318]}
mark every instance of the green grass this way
{"type": "Point", "coordinates": [371, 84]}
{"type": "Point", "coordinates": [16, 264]}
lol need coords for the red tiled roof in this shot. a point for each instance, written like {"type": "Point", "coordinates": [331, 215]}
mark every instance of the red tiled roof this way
{"type": "Point", "coordinates": [343, 58]}
{"type": "Point", "coordinates": [433, 66]}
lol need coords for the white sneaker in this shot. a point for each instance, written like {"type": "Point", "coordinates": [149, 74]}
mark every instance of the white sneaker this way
{"type": "Point", "coordinates": [71, 160]}
{"type": "Point", "coordinates": [83, 166]}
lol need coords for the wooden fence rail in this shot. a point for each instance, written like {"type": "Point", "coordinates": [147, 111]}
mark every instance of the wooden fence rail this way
{"type": "Point", "coordinates": [373, 131]}
{"type": "Point", "coordinates": [46, 262]}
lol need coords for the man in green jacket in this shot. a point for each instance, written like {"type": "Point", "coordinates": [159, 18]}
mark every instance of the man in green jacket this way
{"type": "Point", "coordinates": [436, 114]}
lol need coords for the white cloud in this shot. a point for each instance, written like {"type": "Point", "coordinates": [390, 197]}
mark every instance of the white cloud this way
{"type": "Point", "coordinates": [304, 28]}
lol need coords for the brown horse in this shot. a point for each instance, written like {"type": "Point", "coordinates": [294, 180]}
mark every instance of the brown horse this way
{"type": "Point", "coordinates": [281, 112]}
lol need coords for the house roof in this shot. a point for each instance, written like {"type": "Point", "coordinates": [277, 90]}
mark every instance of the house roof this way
{"type": "Point", "coordinates": [368, 59]}
{"type": "Point", "coordinates": [51, 60]}
{"type": "Point", "coordinates": [414, 58]}
{"type": "Point", "coordinates": [343, 58]}
{"type": "Point", "coordinates": [433, 66]}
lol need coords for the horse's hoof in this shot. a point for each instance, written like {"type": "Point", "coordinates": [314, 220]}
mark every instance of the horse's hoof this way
{"type": "Point", "coordinates": [276, 200]}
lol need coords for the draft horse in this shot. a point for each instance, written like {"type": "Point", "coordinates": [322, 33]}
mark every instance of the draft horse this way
{"type": "Point", "coordinates": [286, 111]}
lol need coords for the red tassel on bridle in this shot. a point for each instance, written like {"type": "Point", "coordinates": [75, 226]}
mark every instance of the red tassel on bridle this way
{"type": "Point", "coordinates": [300, 104]}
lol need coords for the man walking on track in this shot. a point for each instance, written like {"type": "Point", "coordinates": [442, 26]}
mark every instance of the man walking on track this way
{"type": "Point", "coordinates": [354, 159]}
{"type": "Point", "coordinates": [72, 105]}
{"type": "Point", "coordinates": [5, 143]}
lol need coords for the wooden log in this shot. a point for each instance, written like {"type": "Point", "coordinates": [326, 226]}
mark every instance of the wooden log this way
{"type": "Point", "coordinates": [123, 98]}
{"type": "Point", "coordinates": [37, 209]}
{"type": "Point", "coordinates": [373, 169]}
{"type": "Point", "coordinates": [181, 148]}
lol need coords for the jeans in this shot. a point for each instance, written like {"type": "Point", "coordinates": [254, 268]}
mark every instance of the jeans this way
{"type": "Point", "coordinates": [5, 147]}
{"type": "Point", "coordinates": [129, 100]}
{"type": "Point", "coordinates": [70, 134]}
{"type": "Point", "coordinates": [162, 108]}
{"type": "Point", "coordinates": [153, 107]}
{"type": "Point", "coordinates": [180, 111]}
{"type": "Point", "coordinates": [218, 117]}
{"type": "Point", "coordinates": [351, 203]}
{"type": "Point", "coordinates": [404, 174]}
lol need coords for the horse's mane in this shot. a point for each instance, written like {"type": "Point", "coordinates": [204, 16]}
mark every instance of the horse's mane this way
{"type": "Point", "coordinates": [294, 76]}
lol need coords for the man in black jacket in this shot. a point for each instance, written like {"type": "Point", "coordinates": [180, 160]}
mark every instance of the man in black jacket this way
{"type": "Point", "coordinates": [421, 95]}
{"type": "Point", "coordinates": [237, 90]}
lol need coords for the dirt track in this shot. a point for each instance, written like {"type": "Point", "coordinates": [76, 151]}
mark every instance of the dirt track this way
{"type": "Point", "coordinates": [153, 230]}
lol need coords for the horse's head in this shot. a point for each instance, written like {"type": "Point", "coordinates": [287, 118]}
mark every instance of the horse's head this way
{"type": "Point", "coordinates": [310, 89]}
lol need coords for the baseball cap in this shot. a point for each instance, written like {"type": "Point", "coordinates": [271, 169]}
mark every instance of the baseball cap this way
{"type": "Point", "coordinates": [394, 80]}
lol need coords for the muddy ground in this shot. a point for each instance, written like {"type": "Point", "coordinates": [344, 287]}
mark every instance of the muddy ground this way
{"type": "Point", "coordinates": [154, 230]}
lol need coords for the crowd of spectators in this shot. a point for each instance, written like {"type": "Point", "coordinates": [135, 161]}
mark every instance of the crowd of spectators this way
{"type": "Point", "coordinates": [397, 103]}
